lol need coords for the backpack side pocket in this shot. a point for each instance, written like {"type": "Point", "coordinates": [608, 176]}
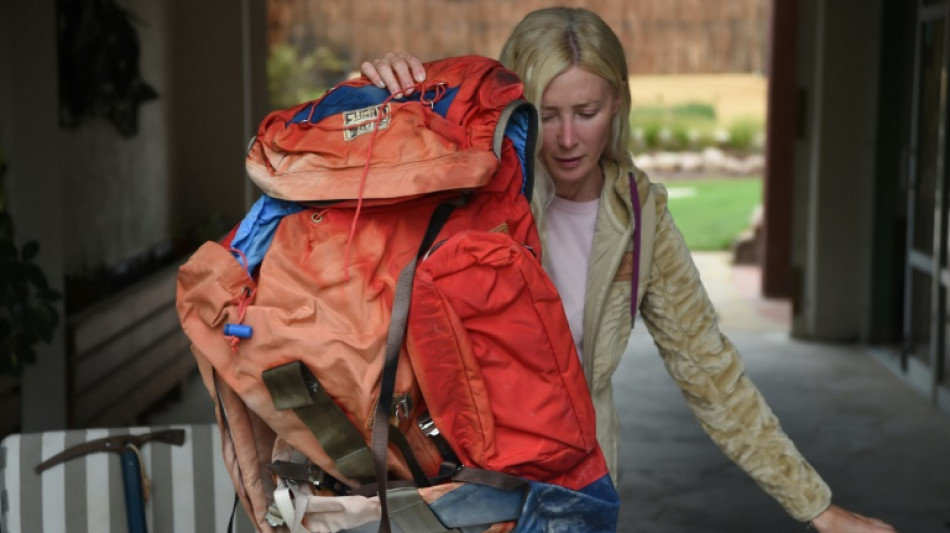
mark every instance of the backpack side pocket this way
{"type": "Point", "coordinates": [496, 363]}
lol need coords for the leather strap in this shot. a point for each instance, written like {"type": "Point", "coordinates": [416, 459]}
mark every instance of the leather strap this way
{"type": "Point", "coordinates": [233, 510]}
{"type": "Point", "coordinates": [490, 478]}
{"type": "Point", "coordinates": [395, 336]}
{"type": "Point", "coordinates": [418, 475]}
{"type": "Point", "coordinates": [117, 443]}
{"type": "Point", "coordinates": [637, 222]}
{"type": "Point", "coordinates": [293, 386]}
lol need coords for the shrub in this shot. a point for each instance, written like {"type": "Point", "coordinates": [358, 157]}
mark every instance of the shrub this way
{"type": "Point", "coordinates": [651, 135]}
{"type": "Point", "coordinates": [745, 134]}
{"type": "Point", "coordinates": [673, 128]}
{"type": "Point", "coordinates": [691, 126]}
{"type": "Point", "coordinates": [293, 78]}
{"type": "Point", "coordinates": [695, 110]}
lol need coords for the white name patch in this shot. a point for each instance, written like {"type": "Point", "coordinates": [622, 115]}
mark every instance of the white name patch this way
{"type": "Point", "coordinates": [362, 121]}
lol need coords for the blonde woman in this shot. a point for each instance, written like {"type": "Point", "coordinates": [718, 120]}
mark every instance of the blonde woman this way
{"type": "Point", "coordinates": [575, 71]}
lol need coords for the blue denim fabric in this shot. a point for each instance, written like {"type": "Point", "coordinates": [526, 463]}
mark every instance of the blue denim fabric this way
{"type": "Point", "coordinates": [552, 508]}
{"type": "Point", "coordinates": [473, 504]}
{"type": "Point", "coordinates": [545, 508]}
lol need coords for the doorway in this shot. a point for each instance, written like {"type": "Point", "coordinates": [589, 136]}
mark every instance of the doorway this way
{"type": "Point", "coordinates": [926, 275]}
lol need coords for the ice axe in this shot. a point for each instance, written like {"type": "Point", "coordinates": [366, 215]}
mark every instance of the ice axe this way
{"type": "Point", "coordinates": [134, 481]}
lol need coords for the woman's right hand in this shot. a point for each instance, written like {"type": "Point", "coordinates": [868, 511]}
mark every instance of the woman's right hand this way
{"type": "Point", "coordinates": [838, 520]}
{"type": "Point", "coordinates": [397, 71]}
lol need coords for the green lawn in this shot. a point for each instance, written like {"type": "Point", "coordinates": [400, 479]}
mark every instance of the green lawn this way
{"type": "Point", "coordinates": [710, 212]}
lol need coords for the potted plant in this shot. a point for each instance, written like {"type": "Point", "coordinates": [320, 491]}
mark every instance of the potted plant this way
{"type": "Point", "coordinates": [27, 313]}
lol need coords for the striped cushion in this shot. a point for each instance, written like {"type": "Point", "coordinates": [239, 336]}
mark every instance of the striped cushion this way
{"type": "Point", "coordinates": [191, 490]}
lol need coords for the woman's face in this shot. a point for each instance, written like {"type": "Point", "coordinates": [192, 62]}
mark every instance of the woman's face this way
{"type": "Point", "coordinates": [577, 108]}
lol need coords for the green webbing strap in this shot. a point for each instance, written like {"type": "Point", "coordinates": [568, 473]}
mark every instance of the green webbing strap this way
{"type": "Point", "coordinates": [411, 514]}
{"type": "Point", "coordinates": [301, 469]}
{"type": "Point", "coordinates": [293, 386]}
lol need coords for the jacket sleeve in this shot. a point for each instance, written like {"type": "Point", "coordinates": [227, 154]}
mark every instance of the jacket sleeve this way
{"type": "Point", "coordinates": [711, 376]}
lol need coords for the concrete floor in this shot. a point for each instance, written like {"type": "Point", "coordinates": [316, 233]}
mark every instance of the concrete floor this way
{"type": "Point", "coordinates": [881, 447]}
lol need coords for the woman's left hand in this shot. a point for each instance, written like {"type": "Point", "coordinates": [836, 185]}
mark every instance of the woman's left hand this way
{"type": "Point", "coordinates": [398, 72]}
{"type": "Point", "coordinates": [838, 520]}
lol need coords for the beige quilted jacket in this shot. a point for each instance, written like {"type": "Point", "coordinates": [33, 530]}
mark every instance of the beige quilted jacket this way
{"type": "Point", "coordinates": [682, 322]}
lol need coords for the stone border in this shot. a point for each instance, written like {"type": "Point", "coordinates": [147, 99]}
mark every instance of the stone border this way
{"type": "Point", "coordinates": [710, 161]}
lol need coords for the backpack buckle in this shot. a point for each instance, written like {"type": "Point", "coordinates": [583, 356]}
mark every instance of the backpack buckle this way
{"type": "Point", "coordinates": [401, 407]}
{"type": "Point", "coordinates": [427, 425]}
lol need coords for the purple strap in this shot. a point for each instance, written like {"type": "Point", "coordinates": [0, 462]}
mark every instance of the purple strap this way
{"type": "Point", "coordinates": [635, 282]}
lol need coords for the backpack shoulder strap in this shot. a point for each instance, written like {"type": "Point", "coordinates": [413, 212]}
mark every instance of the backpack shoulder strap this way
{"type": "Point", "coordinates": [395, 337]}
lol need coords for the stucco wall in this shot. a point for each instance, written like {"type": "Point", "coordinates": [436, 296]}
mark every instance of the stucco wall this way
{"type": "Point", "coordinates": [117, 190]}
{"type": "Point", "coordinates": [182, 176]}
{"type": "Point", "coordinates": [93, 198]}
{"type": "Point", "coordinates": [834, 169]}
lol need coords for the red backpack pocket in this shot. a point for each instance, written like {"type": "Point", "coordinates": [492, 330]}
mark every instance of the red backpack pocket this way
{"type": "Point", "coordinates": [496, 362]}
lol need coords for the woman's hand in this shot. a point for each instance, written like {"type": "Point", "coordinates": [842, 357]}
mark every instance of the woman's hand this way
{"type": "Point", "coordinates": [398, 72]}
{"type": "Point", "coordinates": [838, 520]}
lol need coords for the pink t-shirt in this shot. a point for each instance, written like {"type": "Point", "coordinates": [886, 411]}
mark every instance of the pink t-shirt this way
{"type": "Point", "coordinates": [570, 235]}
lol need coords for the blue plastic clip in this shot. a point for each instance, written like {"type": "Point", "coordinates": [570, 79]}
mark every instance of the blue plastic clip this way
{"type": "Point", "coordinates": [238, 330]}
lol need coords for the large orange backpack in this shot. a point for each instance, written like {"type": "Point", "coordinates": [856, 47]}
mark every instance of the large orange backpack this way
{"type": "Point", "coordinates": [378, 335]}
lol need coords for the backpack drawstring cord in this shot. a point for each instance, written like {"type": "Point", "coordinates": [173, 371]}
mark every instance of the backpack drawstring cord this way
{"type": "Point", "coordinates": [439, 91]}
{"type": "Point", "coordinates": [236, 331]}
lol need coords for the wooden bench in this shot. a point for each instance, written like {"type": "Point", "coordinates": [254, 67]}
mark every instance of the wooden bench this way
{"type": "Point", "coordinates": [126, 353]}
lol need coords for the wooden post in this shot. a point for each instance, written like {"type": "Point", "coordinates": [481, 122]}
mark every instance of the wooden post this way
{"type": "Point", "coordinates": [781, 132]}
{"type": "Point", "coordinates": [29, 131]}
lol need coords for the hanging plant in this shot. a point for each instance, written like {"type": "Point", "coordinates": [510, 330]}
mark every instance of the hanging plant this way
{"type": "Point", "coordinates": [27, 313]}
{"type": "Point", "coordinates": [99, 65]}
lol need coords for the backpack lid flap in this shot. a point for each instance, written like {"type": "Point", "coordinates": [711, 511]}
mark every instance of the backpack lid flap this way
{"type": "Point", "coordinates": [358, 142]}
{"type": "Point", "coordinates": [395, 150]}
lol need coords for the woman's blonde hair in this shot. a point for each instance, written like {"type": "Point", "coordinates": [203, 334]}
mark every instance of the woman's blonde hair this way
{"type": "Point", "coordinates": [549, 41]}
